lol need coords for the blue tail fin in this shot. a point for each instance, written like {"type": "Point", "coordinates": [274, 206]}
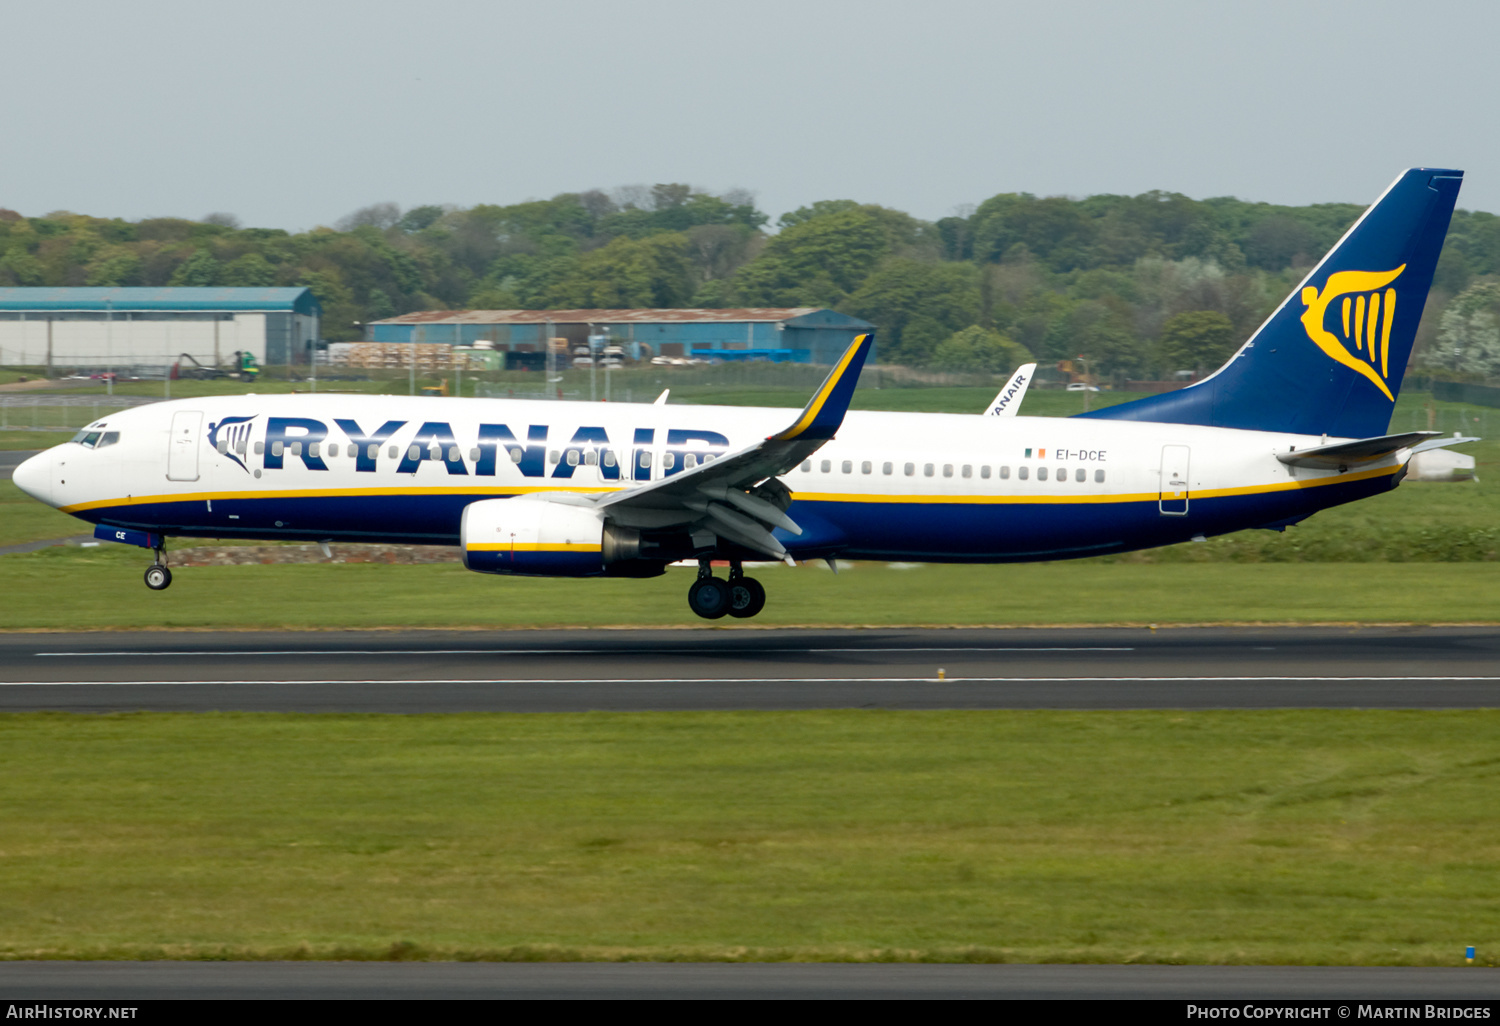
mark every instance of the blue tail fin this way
{"type": "Point", "coordinates": [1331, 358]}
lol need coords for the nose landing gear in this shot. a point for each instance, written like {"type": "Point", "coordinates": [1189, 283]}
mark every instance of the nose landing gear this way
{"type": "Point", "coordinates": [158, 577]}
{"type": "Point", "coordinates": [740, 596]}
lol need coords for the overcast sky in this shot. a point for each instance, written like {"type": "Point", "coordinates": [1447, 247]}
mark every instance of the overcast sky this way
{"type": "Point", "coordinates": [293, 114]}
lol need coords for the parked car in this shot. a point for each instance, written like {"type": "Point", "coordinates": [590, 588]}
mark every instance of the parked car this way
{"type": "Point", "coordinates": [1079, 386]}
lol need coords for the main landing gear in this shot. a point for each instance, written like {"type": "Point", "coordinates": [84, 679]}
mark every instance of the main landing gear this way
{"type": "Point", "coordinates": [711, 598]}
{"type": "Point", "coordinates": [158, 577]}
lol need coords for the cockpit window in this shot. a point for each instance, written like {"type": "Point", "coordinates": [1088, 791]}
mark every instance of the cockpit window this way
{"type": "Point", "coordinates": [92, 438]}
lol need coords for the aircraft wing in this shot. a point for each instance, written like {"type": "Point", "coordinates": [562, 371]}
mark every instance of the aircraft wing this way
{"type": "Point", "coordinates": [1363, 450]}
{"type": "Point", "coordinates": [1008, 402]}
{"type": "Point", "coordinates": [736, 495]}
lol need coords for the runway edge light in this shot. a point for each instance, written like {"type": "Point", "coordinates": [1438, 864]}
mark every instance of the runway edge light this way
{"type": "Point", "coordinates": [1469, 954]}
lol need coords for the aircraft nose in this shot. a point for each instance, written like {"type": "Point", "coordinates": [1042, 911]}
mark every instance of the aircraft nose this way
{"type": "Point", "coordinates": [34, 476]}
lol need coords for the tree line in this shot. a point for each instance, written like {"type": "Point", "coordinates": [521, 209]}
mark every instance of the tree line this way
{"type": "Point", "coordinates": [1143, 286]}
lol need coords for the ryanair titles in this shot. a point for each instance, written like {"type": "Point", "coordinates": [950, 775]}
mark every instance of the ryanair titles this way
{"type": "Point", "coordinates": [290, 441]}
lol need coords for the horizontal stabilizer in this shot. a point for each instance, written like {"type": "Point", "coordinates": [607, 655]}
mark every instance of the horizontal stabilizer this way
{"type": "Point", "coordinates": [1364, 450]}
{"type": "Point", "coordinates": [1443, 443]}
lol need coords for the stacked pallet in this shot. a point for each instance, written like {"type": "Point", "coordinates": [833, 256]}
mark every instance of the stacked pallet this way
{"type": "Point", "coordinates": [429, 356]}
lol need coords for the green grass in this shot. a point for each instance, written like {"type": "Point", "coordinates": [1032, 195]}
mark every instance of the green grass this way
{"type": "Point", "coordinates": [100, 588]}
{"type": "Point", "coordinates": [25, 440]}
{"type": "Point", "coordinates": [23, 519]}
{"type": "Point", "coordinates": [1332, 837]}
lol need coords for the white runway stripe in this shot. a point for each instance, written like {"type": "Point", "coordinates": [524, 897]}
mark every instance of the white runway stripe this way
{"type": "Point", "coordinates": [768, 680]}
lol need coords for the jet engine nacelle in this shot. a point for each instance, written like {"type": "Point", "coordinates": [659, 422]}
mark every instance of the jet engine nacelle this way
{"type": "Point", "coordinates": [533, 536]}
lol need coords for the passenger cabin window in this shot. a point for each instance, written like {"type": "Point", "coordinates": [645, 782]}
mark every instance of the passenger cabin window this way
{"type": "Point", "coordinates": [1005, 473]}
{"type": "Point", "coordinates": [414, 452]}
{"type": "Point", "coordinates": [827, 467]}
{"type": "Point", "coordinates": [392, 452]}
{"type": "Point", "coordinates": [474, 455]}
{"type": "Point", "coordinates": [312, 449]}
{"type": "Point", "coordinates": [1098, 477]}
{"type": "Point", "coordinates": [554, 456]}
{"type": "Point", "coordinates": [690, 461]}
{"type": "Point", "coordinates": [609, 458]}
{"type": "Point", "coordinates": [887, 468]}
{"type": "Point", "coordinates": [807, 466]}
{"type": "Point", "coordinates": [591, 458]}
{"type": "Point", "coordinates": [516, 455]}
{"type": "Point", "coordinates": [866, 467]}
{"type": "Point", "coordinates": [371, 451]}
{"type": "Point", "coordinates": [968, 470]}
{"type": "Point", "coordinates": [573, 458]}
{"type": "Point", "coordinates": [848, 467]}
{"type": "Point", "coordinates": [453, 454]}
{"type": "Point", "coordinates": [1023, 472]}
{"type": "Point", "coordinates": [668, 460]}
{"type": "Point", "coordinates": [296, 448]}
{"type": "Point", "coordinates": [984, 471]}
{"type": "Point", "coordinates": [333, 448]}
{"type": "Point", "coordinates": [260, 448]}
{"type": "Point", "coordinates": [277, 448]}
{"type": "Point", "coordinates": [1080, 475]}
{"type": "Point", "coordinates": [927, 470]}
{"type": "Point", "coordinates": [1041, 473]}
{"type": "Point", "coordinates": [911, 468]}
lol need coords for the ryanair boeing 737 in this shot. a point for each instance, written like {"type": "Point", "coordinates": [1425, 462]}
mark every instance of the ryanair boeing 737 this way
{"type": "Point", "coordinates": [1295, 422]}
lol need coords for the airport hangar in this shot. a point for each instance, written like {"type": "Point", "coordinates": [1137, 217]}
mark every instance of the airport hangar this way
{"type": "Point", "coordinates": [802, 334]}
{"type": "Point", "coordinates": [95, 329]}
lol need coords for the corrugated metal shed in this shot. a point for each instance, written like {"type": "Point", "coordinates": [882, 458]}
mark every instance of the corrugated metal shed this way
{"type": "Point", "coordinates": [670, 316]}
{"type": "Point", "coordinates": [797, 333]}
{"type": "Point", "coordinates": [186, 298]}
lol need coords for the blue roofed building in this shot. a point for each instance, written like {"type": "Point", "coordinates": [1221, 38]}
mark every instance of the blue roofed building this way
{"type": "Point", "coordinates": [88, 328]}
{"type": "Point", "coordinates": [783, 334]}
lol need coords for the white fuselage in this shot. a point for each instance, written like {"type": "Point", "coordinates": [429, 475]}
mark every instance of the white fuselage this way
{"type": "Point", "coordinates": [890, 485]}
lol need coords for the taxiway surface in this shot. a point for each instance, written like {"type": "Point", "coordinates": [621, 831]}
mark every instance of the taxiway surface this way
{"type": "Point", "coordinates": [565, 671]}
{"type": "Point", "coordinates": [126, 981]}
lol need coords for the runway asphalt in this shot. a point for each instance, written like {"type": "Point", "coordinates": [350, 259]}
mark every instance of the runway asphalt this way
{"type": "Point", "coordinates": [569, 671]}
{"type": "Point", "coordinates": [127, 981]}
{"type": "Point", "coordinates": [423, 671]}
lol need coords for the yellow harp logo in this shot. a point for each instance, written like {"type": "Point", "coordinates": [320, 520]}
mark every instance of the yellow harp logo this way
{"type": "Point", "coordinates": [1367, 314]}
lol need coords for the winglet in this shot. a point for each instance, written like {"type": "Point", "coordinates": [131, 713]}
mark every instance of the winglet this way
{"type": "Point", "coordinates": [825, 412]}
